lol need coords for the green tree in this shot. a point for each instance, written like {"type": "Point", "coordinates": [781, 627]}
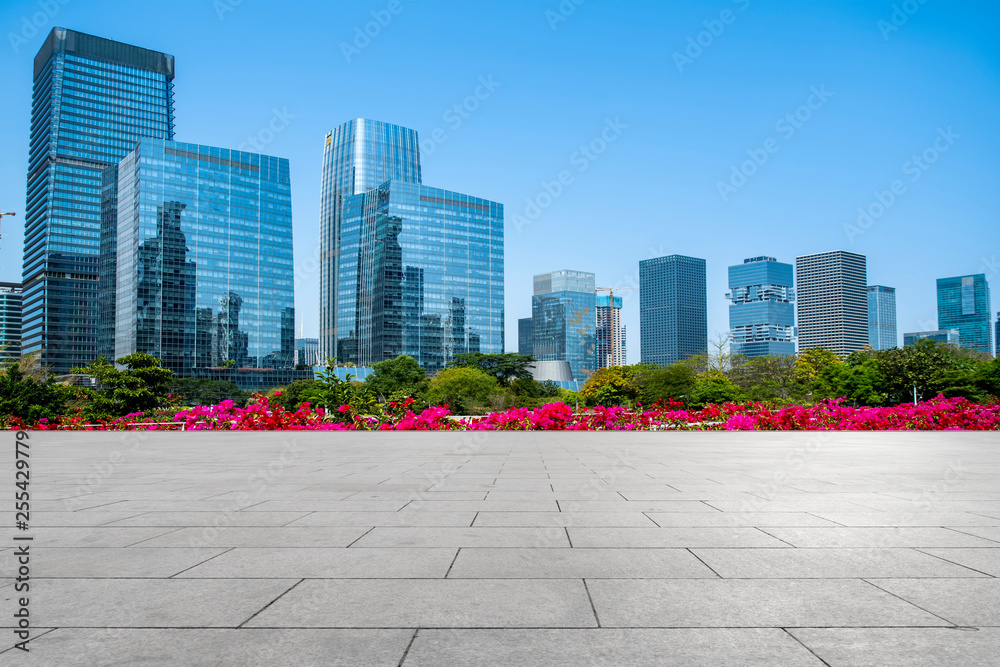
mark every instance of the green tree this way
{"type": "Point", "coordinates": [141, 386]}
{"type": "Point", "coordinates": [765, 378]}
{"type": "Point", "coordinates": [675, 381]}
{"type": "Point", "coordinates": [396, 377]}
{"type": "Point", "coordinates": [714, 387]}
{"type": "Point", "coordinates": [462, 388]}
{"type": "Point", "coordinates": [502, 367]}
{"type": "Point", "coordinates": [200, 391]}
{"type": "Point", "coordinates": [919, 368]}
{"type": "Point", "coordinates": [27, 398]}
{"type": "Point", "coordinates": [611, 386]}
{"type": "Point", "coordinates": [295, 394]}
{"type": "Point", "coordinates": [987, 378]}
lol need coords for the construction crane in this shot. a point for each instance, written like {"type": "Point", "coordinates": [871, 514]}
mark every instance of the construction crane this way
{"type": "Point", "coordinates": [611, 301]}
{"type": "Point", "coordinates": [2, 214]}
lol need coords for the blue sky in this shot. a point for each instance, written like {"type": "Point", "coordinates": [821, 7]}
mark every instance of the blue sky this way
{"type": "Point", "coordinates": [691, 88]}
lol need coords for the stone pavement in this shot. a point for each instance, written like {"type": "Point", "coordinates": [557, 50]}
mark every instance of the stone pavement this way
{"type": "Point", "coordinates": [509, 549]}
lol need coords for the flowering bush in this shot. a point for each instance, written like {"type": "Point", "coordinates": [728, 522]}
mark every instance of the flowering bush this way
{"type": "Point", "coordinates": [261, 415]}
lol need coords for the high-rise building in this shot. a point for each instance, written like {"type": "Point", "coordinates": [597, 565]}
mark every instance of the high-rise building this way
{"type": "Point", "coordinates": [964, 303]}
{"type": "Point", "coordinates": [673, 309]}
{"type": "Point", "coordinates": [10, 322]}
{"type": "Point", "coordinates": [611, 350]}
{"type": "Point", "coordinates": [762, 308]}
{"type": "Point", "coordinates": [92, 100]}
{"type": "Point", "coordinates": [307, 352]}
{"type": "Point", "coordinates": [358, 157]}
{"type": "Point", "coordinates": [882, 333]}
{"type": "Point", "coordinates": [204, 259]}
{"type": "Point", "coordinates": [420, 273]}
{"type": "Point", "coordinates": [564, 320]}
{"type": "Point", "coordinates": [831, 290]}
{"type": "Point", "coordinates": [951, 337]}
{"type": "Point", "coordinates": [996, 337]}
{"type": "Point", "coordinates": [525, 336]}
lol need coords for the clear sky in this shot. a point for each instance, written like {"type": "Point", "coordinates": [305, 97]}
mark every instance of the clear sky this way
{"type": "Point", "coordinates": [884, 86]}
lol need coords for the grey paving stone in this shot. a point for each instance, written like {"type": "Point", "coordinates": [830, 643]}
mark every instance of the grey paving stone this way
{"type": "Point", "coordinates": [139, 603]}
{"type": "Point", "coordinates": [463, 537]}
{"type": "Point", "coordinates": [918, 518]}
{"type": "Point", "coordinates": [562, 519]}
{"type": "Point", "coordinates": [416, 495]}
{"type": "Point", "coordinates": [876, 537]}
{"type": "Point", "coordinates": [827, 563]}
{"type": "Point", "coordinates": [457, 603]}
{"type": "Point", "coordinates": [984, 560]}
{"type": "Point", "coordinates": [81, 518]}
{"type": "Point", "coordinates": [96, 536]}
{"type": "Point", "coordinates": [258, 536]}
{"type": "Point", "coordinates": [258, 647]}
{"type": "Point", "coordinates": [991, 533]}
{"type": "Point", "coordinates": [482, 506]}
{"type": "Point", "coordinates": [371, 519]}
{"type": "Point", "coordinates": [578, 564]}
{"type": "Point", "coordinates": [805, 505]}
{"type": "Point", "coordinates": [635, 506]}
{"type": "Point", "coordinates": [98, 562]}
{"type": "Point", "coordinates": [696, 519]}
{"type": "Point", "coordinates": [331, 506]}
{"type": "Point", "coordinates": [608, 647]}
{"type": "Point", "coordinates": [317, 563]}
{"type": "Point", "coordinates": [751, 603]}
{"type": "Point", "coordinates": [189, 519]}
{"type": "Point", "coordinates": [972, 602]}
{"type": "Point", "coordinates": [903, 647]}
{"type": "Point", "coordinates": [672, 537]}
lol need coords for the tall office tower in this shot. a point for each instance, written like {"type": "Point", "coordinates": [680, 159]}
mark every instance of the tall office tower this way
{"type": "Point", "coordinates": [964, 303]}
{"type": "Point", "coordinates": [10, 322]}
{"type": "Point", "coordinates": [420, 273]}
{"type": "Point", "coordinates": [92, 100]}
{"type": "Point", "coordinates": [610, 336]}
{"type": "Point", "coordinates": [525, 336]}
{"type": "Point", "coordinates": [307, 351]}
{"type": "Point", "coordinates": [832, 301]}
{"type": "Point", "coordinates": [359, 156]}
{"type": "Point", "coordinates": [205, 276]}
{"type": "Point", "coordinates": [673, 309]}
{"type": "Point", "coordinates": [882, 333]}
{"type": "Point", "coordinates": [951, 337]}
{"type": "Point", "coordinates": [564, 319]}
{"type": "Point", "coordinates": [996, 337]}
{"type": "Point", "coordinates": [762, 308]}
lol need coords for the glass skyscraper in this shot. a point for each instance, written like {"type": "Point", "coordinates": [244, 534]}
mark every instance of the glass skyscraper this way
{"type": "Point", "coordinates": [831, 291]}
{"type": "Point", "coordinates": [882, 334]}
{"type": "Point", "coordinates": [204, 260]}
{"type": "Point", "coordinates": [673, 309]}
{"type": "Point", "coordinates": [564, 320]}
{"type": "Point", "coordinates": [964, 303]}
{"type": "Point", "coordinates": [420, 273]}
{"type": "Point", "coordinates": [950, 337]}
{"type": "Point", "coordinates": [358, 156]}
{"type": "Point", "coordinates": [762, 308]}
{"type": "Point", "coordinates": [92, 100]}
{"type": "Point", "coordinates": [525, 336]}
{"type": "Point", "coordinates": [611, 350]}
{"type": "Point", "coordinates": [10, 321]}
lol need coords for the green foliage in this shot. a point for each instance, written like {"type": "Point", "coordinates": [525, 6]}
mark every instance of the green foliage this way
{"type": "Point", "coordinates": [611, 386]}
{"type": "Point", "coordinates": [811, 363]}
{"type": "Point", "coordinates": [142, 386]}
{"type": "Point", "coordinates": [462, 388]}
{"type": "Point", "coordinates": [295, 394]}
{"type": "Point", "coordinates": [27, 398]}
{"type": "Point", "coordinates": [502, 367]}
{"type": "Point", "coordinates": [675, 381]}
{"type": "Point", "coordinates": [714, 387]}
{"type": "Point", "coordinates": [987, 378]}
{"type": "Point", "coordinates": [765, 378]}
{"type": "Point", "coordinates": [196, 391]}
{"type": "Point", "coordinates": [330, 392]}
{"type": "Point", "coordinates": [402, 375]}
{"type": "Point", "coordinates": [531, 388]}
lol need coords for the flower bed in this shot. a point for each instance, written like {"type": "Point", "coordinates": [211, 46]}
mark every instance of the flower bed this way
{"type": "Point", "coordinates": [940, 414]}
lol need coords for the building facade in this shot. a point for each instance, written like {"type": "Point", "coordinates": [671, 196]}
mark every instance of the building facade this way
{"type": "Point", "coordinates": [564, 320]}
{"type": "Point", "coordinates": [673, 309]}
{"type": "Point", "coordinates": [420, 274]}
{"type": "Point", "coordinates": [950, 337]}
{"type": "Point", "coordinates": [525, 336]}
{"type": "Point", "coordinates": [10, 322]}
{"type": "Point", "coordinates": [831, 291]}
{"type": "Point", "coordinates": [358, 156]}
{"type": "Point", "coordinates": [762, 308]}
{"type": "Point", "coordinates": [882, 333]}
{"type": "Point", "coordinates": [307, 352]}
{"type": "Point", "coordinates": [92, 100]}
{"type": "Point", "coordinates": [964, 303]}
{"type": "Point", "coordinates": [204, 261]}
{"type": "Point", "coordinates": [610, 332]}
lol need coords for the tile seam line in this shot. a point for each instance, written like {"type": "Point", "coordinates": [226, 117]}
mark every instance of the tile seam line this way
{"type": "Point", "coordinates": [176, 574]}
{"type": "Point", "coordinates": [408, 647]}
{"type": "Point", "coordinates": [953, 624]}
{"type": "Point", "coordinates": [803, 645]}
{"type": "Point", "coordinates": [259, 611]}
{"type": "Point", "coordinates": [955, 529]}
{"type": "Point", "coordinates": [920, 550]}
{"type": "Point", "coordinates": [590, 599]}
{"type": "Point", "coordinates": [169, 532]}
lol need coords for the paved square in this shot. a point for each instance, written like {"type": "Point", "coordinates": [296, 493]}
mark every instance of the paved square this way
{"type": "Point", "coordinates": [510, 549]}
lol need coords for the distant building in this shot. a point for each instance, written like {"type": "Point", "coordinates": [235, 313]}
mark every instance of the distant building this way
{"type": "Point", "coordinates": [673, 309]}
{"type": "Point", "coordinates": [762, 308]}
{"type": "Point", "coordinates": [10, 322]}
{"type": "Point", "coordinates": [950, 337]}
{"type": "Point", "coordinates": [882, 334]}
{"type": "Point", "coordinates": [307, 352]}
{"type": "Point", "coordinates": [831, 290]}
{"type": "Point", "coordinates": [563, 317]}
{"type": "Point", "coordinates": [610, 333]}
{"type": "Point", "coordinates": [525, 336]}
{"type": "Point", "coordinates": [204, 257]}
{"type": "Point", "coordinates": [996, 337]}
{"type": "Point", "coordinates": [964, 304]}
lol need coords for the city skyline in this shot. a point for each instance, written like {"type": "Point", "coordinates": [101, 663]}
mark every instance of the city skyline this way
{"type": "Point", "coordinates": [505, 152]}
